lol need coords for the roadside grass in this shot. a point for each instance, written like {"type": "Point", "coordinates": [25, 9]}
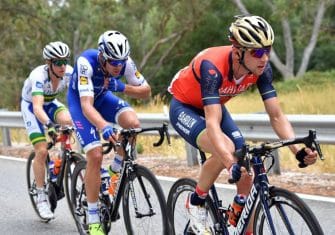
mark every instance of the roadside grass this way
{"type": "Point", "coordinates": [314, 94]}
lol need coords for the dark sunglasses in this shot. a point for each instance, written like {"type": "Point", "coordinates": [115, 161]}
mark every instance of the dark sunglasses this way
{"type": "Point", "coordinates": [259, 52]}
{"type": "Point", "coordinates": [117, 63]}
{"type": "Point", "coordinates": [60, 62]}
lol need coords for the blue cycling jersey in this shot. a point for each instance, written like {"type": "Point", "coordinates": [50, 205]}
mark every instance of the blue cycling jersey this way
{"type": "Point", "coordinates": [88, 79]}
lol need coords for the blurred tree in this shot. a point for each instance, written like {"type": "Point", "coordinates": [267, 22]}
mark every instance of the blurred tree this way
{"type": "Point", "coordinates": [164, 34]}
{"type": "Point", "coordinates": [306, 17]}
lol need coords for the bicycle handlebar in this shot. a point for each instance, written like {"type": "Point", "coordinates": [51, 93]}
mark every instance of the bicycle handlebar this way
{"type": "Point", "coordinates": [60, 129]}
{"type": "Point", "coordinates": [309, 141]}
{"type": "Point", "coordinates": [127, 133]}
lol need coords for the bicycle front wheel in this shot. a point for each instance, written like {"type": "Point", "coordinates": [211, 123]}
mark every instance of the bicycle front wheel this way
{"type": "Point", "coordinates": [144, 206]}
{"type": "Point", "coordinates": [69, 168]}
{"type": "Point", "coordinates": [78, 197]}
{"type": "Point", "coordinates": [290, 215]}
{"type": "Point", "coordinates": [31, 183]}
{"type": "Point", "coordinates": [177, 211]}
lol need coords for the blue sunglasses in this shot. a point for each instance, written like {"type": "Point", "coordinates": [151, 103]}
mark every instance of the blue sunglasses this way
{"type": "Point", "coordinates": [117, 63]}
{"type": "Point", "coordinates": [259, 52]}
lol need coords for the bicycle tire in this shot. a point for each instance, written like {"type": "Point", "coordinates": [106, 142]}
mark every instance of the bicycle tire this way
{"type": "Point", "coordinates": [69, 169]}
{"type": "Point", "coordinates": [177, 212]}
{"type": "Point", "coordinates": [78, 197]}
{"type": "Point", "coordinates": [283, 203]}
{"type": "Point", "coordinates": [31, 185]}
{"type": "Point", "coordinates": [145, 222]}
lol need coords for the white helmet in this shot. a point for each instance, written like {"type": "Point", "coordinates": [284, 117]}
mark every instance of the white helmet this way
{"type": "Point", "coordinates": [251, 31]}
{"type": "Point", "coordinates": [56, 50]}
{"type": "Point", "coordinates": [114, 45]}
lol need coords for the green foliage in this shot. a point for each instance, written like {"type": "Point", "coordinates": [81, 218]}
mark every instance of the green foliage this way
{"type": "Point", "coordinates": [314, 79]}
{"type": "Point", "coordinates": [139, 148]}
{"type": "Point", "coordinates": [164, 34]}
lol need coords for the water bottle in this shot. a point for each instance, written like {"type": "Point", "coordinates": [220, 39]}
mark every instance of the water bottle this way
{"type": "Point", "coordinates": [113, 183]}
{"type": "Point", "coordinates": [104, 181]}
{"type": "Point", "coordinates": [53, 177]}
{"type": "Point", "coordinates": [57, 165]}
{"type": "Point", "coordinates": [236, 208]}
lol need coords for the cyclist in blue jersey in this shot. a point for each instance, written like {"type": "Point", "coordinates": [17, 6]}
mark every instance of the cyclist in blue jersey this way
{"type": "Point", "coordinates": [39, 107]}
{"type": "Point", "coordinates": [93, 105]}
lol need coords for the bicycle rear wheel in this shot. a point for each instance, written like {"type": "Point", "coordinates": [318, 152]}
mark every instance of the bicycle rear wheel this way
{"type": "Point", "coordinates": [144, 206]}
{"type": "Point", "coordinates": [290, 215]}
{"type": "Point", "coordinates": [31, 183]}
{"type": "Point", "coordinates": [69, 168]}
{"type": "Point", "coordinates": [176, 206]}
{"type": "Point", "coordinates": [78, 197]}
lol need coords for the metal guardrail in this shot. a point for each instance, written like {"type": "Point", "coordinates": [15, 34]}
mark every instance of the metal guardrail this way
{"type": "Point", "coordinates": [254, 127]}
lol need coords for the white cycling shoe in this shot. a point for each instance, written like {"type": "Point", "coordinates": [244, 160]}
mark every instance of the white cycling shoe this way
{"type": "Point", "coordinates": [198, 218]}
{"type": "Point", "coordinates": [44, 210]}
{"type": "Point", "coordinates": [43, 207]}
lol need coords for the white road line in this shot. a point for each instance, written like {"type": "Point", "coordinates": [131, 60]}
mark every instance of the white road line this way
{"type": "Point", "coordinates": [223, 186]}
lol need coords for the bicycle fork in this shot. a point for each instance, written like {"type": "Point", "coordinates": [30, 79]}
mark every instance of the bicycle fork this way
{"type": "Point", "coordinates": [133, 197]}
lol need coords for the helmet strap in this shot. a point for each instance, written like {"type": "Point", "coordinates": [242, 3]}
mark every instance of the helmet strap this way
{"type": "Point", "coordinates": [53, 72]}
{"type": "Point", "coordinates": [102, 61]}
{"type": "Point", "coordinates": [241, 60]}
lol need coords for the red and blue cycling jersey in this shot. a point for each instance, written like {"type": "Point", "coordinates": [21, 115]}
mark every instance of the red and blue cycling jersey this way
{"type": "Point", "coordinates": [209, 79]}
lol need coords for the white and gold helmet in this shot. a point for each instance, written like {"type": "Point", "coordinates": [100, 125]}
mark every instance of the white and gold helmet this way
{"type": "Point", "coordinates": [251, 31]}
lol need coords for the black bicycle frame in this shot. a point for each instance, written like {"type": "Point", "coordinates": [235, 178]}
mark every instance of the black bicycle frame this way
{"type": "Point", "coordinates": [259, 188]}
{"type": "Point", "coordinates": [130, 164]}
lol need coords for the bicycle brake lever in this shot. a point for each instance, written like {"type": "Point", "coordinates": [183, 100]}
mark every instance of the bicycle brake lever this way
{"type": "Point", "coordinates": [318, 149]}
{"type": "Point", "coordinates": [313, 143]}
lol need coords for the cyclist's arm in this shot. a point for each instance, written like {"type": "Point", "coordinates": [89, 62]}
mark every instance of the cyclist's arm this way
{"type": "Point", "coordinates": [210, 82]}
{"type": "Point", "coordinates": [136, 87]}
{"type": "Point", "coordinates": [279, 121]}
{"type": "Point", "coordinates": [86, 93]}
{"type": "Point", "coordinates": [38, 101]}
{"type": "Point", "coordinates": [213, 116]}
{"type": "Point", "coordinates": [139, 92]}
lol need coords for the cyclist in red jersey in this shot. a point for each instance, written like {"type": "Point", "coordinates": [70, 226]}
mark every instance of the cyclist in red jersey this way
{"type": "Point", "coordinates": [198, 113]}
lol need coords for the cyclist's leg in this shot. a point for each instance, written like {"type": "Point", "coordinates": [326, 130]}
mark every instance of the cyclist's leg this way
{"type": "Point", "coordinates": [61, 113]}
{"type": "Point", "coordinates": [116, 110]}
{"type": "Point", "coordinates": [191, 125]}
{"type": "Point", "coordinates": [189, 122]}
{"type": "Point", "coordinates": [89, 138]}
{"type": "Point", "coordinates": [36, 135]}
{"type": "Point", "coordinates": [230, 129]}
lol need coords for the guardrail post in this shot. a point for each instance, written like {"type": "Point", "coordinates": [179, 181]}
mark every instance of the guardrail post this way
{"type": "Point", "coordinates": [192, 155]}
{"type": "Point", "coordinates": [6, 136]}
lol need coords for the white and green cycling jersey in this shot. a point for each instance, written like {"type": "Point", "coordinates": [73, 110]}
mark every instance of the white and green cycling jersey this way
{"type": "Point", "coordinates": [39, 83]}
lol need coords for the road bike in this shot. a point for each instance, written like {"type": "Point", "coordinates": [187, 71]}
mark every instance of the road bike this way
{"type": "Point", "coordinates": [143, 200]}
{"type": "Point", "coordinates": [276, 210]}
{"type": "Point", "coordinates": [69, 158]}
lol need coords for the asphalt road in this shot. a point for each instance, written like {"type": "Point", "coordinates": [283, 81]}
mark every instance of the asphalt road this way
{"type": "Point", "coordinates": [18, 217]}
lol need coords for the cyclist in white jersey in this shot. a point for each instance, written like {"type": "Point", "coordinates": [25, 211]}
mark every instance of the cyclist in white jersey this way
{"type": "Point", "coordinates": [40, 108]}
